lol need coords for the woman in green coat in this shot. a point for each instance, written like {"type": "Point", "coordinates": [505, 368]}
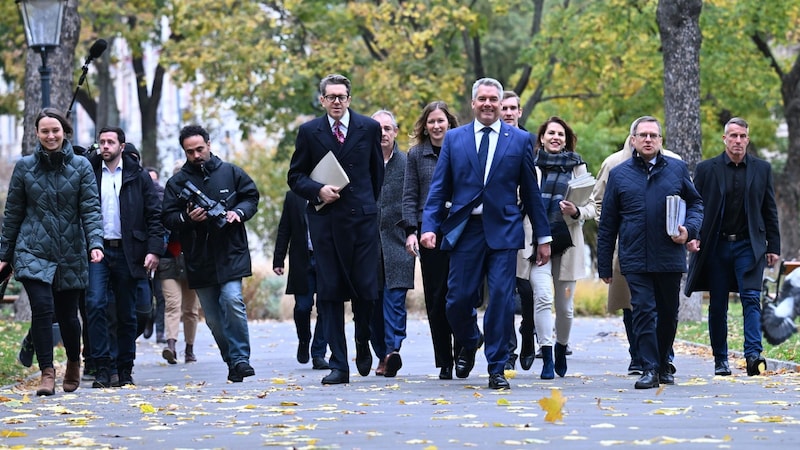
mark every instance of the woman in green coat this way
{"type": "Point", "coordinates": [52, 217]}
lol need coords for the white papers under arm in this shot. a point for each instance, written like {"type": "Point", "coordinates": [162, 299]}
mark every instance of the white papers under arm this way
{"type": "Point", "coordinates": [329, 171]}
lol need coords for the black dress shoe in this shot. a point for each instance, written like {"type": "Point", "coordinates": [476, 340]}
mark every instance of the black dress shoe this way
{"type": "Point", "coordinates": [722, 369]}
{"type": "Point", "coordinates": [393, 364]}
{"type": "Point", "coordinates": [363, 358]}
{"type": "Point", "coordinates": [509, 365]}
{"type": "Point", "coordinates": [465, 362]}
{"type": "Point", "coordinates": [244, 369]}
{"type": "Point", "coordinates": [446, 373]}
{"type": "Point", "coordinates": [756, 365]}
{"type": "Point", "coordinates": [319, 364]}
{"type": "Point", "coordinates": [498, 381]}
{"type": "Point", "coordinates": [526, 361]}
{"type": "Point", "coordinates": [302, 352]}
{"type": "Point", "coordinates": [666, 377]}
{"type": "Point", "coordinates": [648, 380]}
{"type": "Point", "coordinates": [511, 362]}
{"type": "Point", "coordinates": [336, 377]}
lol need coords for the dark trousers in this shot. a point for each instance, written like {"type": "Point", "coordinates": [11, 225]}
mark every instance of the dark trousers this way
{"type": "Point", "coordinates": [303, 303]}
{"type": "Point", "coordinates": [470, 261]}
{"type": "Point", "coordinates": [732, 260]}
{"type": "Point", "coordinates": [333, 324]}
{"type": "Point", "coordinates": [435, 266]}
{"type": "Point", "coordinates": [655, 301]}
{"type": "Point", "coordinates": [47, 303]}
{"type": "Point", "coordinates": [526, 328]}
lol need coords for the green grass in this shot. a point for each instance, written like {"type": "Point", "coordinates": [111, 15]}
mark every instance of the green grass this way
{"type": "Point", "coordinates": [698, 332]}
{"type": "Point", "coordinates": [11, 371]}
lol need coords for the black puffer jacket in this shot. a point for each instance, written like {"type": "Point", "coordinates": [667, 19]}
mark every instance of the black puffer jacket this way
{"type": "Point", "coordinates": [52, 217]}
{"type": "Point", "coordinates": [213, 255]}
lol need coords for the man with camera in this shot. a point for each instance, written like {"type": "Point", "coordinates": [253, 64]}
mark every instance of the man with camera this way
{"type": "Point", "coordinates": [207, 202]}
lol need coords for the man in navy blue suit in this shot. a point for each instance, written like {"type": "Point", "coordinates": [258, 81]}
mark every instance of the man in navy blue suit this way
{"type": "Point", "coordinates": [482, 166]}
{"type": "Point", "coordinates": [342, 220]}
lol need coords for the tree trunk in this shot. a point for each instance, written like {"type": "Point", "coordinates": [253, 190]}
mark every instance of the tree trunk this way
{"type": "Point", "coordinates": [60, 61]}
{"type": "Point", "coordinates": [679, 25]}
{"type": "Point", "coordinates": [787, 184]}
{"type": "Point", "coordinates": [148, 106]}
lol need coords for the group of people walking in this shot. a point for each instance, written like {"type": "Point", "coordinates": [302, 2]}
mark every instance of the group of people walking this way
{"type": "Point", "coordinates": [483, 206]}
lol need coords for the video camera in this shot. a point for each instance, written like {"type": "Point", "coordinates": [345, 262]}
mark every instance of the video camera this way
{"type": "Point", "coordinates": [215, 210]}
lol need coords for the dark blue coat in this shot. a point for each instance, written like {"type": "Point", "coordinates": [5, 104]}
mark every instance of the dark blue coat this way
{"type": "Point", "coordinates": [634, 208]}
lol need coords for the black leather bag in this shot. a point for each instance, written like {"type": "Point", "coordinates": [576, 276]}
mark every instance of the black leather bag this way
{"type": "Point", "coordinates": [562, 240]}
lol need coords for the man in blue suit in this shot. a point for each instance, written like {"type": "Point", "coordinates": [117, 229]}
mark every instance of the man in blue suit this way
{"type": "Point", "coordinates": [342, 220]}
{"type": "Point", "coordinates": [481, 168]}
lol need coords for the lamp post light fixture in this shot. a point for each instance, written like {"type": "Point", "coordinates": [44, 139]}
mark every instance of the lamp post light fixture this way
{"type": "Point", "coordinates": [42, 20]}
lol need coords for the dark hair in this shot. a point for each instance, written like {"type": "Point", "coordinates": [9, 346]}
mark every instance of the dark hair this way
{"type": "Point", "coordinates": [55, 114]}
{"type": "Point", "coordinates": [118, 130]}
{"type": "Point", "coordinates": [418, 134]}
{"type": "Point", "coordinates": [334, 78]}
{"type": "Point", "coordinates": [570, 139]}
{"type": "Point", "coordinates": [192, 130]}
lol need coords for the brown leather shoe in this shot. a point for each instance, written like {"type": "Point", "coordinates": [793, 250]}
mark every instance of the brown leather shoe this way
{"type": "Point", "coordinates": [169, 353]}
{"type": "Point", "coordinates": [381, 370]}
{"type": "Point", "coordinates": [188, 354]}
{"type": "Point", "coordinates": [47, 386]}
{"type": "Point", "coordinates": [393, 364]}
{"type": "Point", "coordinates": [72, 376]}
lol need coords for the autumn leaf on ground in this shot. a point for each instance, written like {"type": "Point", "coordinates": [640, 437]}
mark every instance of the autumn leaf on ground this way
{"type": "Point", "coordinates": [553, 405]}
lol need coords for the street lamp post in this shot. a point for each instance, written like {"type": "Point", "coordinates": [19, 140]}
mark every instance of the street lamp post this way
{"type": "Point", "coordinates": [42, 20]}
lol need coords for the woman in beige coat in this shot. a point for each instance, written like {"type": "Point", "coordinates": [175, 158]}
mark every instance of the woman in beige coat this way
{"type": "Point", "coordinates": [554, 282]}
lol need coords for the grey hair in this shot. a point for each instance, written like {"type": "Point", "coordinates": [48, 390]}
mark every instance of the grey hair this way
{"type": "Point", "coordinates": [487, 82]}
{"type": "Point", "coordinates": [636, 123]}
{"type": "Point", "coordinates": [737, 121]}
{"type": "Point", "coordinates": [386, 112]}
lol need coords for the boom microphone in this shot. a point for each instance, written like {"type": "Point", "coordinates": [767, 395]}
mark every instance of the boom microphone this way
{"type": "Point", "coordinates": [96, 50]}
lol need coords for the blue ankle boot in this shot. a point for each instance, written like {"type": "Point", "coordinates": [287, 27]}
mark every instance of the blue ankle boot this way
{"type": "Point", "coordinates": [547, 358]}
{"type": "Point", "coordinates": [560, 359]}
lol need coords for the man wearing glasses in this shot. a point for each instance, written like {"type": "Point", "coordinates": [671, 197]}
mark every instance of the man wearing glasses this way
{"type": "Point", "coordinates": [652, 261]}
{"type": "Point", "coordinates": [739, 236]}
{"type": "Point", "coordinates": [342, 219]}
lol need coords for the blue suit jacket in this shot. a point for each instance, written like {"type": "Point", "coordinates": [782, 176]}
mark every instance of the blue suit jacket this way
{"type": "Point", "coordinates": [458, 179]}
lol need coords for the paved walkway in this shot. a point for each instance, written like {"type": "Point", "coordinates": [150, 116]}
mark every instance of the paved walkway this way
{"type": "Point", "coordinates": [285, 406]}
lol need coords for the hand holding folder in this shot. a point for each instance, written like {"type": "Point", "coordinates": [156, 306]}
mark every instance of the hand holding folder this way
{"type": "Point", "coordinates": [329, 171]}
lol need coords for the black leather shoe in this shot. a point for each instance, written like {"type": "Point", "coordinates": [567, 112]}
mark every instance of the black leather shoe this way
{"type": "Point", "coordinates": [722, 369]}
{"type": "Point", "coordinates": [102, 379]}
{"type": "Point", "coordinates": [26, 351]}
{"type": "Point", "coordinates": [756, 365]}
{"type": "Point", "coordinates": [148, 327]}
{"type": "Point", "coordinates": [336, 377]}
{"type": "Point", "coordinates": [446, 373]}
{"type": "Point", "coordinates": [526, 361]}
{"type": "Point", "coordinates": [319, 364]}
{"type": "Point", "coordinates": [666, 377]}
{"type": "Point", "coordinates": [498, 381]}
{"type": "Point", "coordinates": [363, 358]}
{"type": "Point", "coordinates": [509, 365]}
{"type": "Point", "coordinates": [302, 352]}
{"type": "Point", "coordinates": [465, 362]}
{"type": "Point", "coordinates": [648, 380]}
{"type": "Point", "coordinates": [233, 376]}
{"type": "Point", "coordinates": [244, 369]}
{"type": "Point", "coordinates": [393, 364]}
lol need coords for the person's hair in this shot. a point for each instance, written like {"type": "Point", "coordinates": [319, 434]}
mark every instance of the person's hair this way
{"type": "Point", "coordinates": [511, 94]}
{"type": "Point", "coordinates": [117, 130]}
{"type": "Point", "coordinates": [419, 133]}
{"type": "Point", "coordinates": [737, 121]}
{"type": "Point", "coordinates": [334, 78]}
{"type": "Point", "coordinates": [386, 112]}
{"type": "Point", "coordinates": [55, 114]}
{"type": "Point", "coordinates": [643, 119]}
{"type": "Point", "coordinates": [570, 139]}
{"type": "Point", "coordinates": [151, 169]}
{"type": "Point", "coordinates": [193, 130]}
{"type": "Point", "coordinates": [486, 82]}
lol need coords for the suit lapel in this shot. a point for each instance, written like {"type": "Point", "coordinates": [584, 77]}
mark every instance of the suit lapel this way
{"type": "Point", "coordinates": [719, 173]}
{"type": "Point", "coordinates": [468, 144]}
{"type": "Point", "coordinates": [354, 133]}
{"type": "Point", "coordinates": [500, 150]}
{"type": "Point", "coordinates": [325, 137]}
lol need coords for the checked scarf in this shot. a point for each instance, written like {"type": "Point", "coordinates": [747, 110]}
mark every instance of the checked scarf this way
{"type": "Point", "coordinates": [556, 172]}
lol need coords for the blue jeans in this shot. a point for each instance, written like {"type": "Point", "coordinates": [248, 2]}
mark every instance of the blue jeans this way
{"type": "Point", "coordinates": [394, 318]}
{"type": "Point", "coordinates": [226, 317]}
{"type": "Point", "coordinates": [731, 261]}
{"type": "Point", "coordinates": [112, 273]}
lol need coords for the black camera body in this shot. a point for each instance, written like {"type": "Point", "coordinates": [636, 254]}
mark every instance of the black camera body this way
{"type": "Point", "coordinates": [215, 210]}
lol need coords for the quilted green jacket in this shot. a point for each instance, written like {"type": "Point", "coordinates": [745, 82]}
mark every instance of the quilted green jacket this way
{"type": "Point", "coordinates": [52, 213]}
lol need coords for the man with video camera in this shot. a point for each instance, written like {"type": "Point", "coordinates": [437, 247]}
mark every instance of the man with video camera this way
{"type": "Point", "coordinates": [207, 203]}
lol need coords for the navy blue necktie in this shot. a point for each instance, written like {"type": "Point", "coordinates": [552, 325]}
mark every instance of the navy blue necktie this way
{"type": "Point", "coordinates": [483, 150]}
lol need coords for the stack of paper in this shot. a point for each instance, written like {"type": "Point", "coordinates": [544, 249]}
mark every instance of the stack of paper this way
{"type": "Point", "coordinates": [580, 189]}
{"type": "Point", "coordinates": [676, 214]}
{"type": "Point", "coordinates": [329, 171]}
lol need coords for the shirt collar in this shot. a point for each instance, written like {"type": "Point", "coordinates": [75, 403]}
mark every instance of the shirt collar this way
{"type": "Point", "coordinates": [478, 127]}
{"type": "Point", "coordinates": [345, 120]}
{"type": "Point", "coordinates": [119, 166]}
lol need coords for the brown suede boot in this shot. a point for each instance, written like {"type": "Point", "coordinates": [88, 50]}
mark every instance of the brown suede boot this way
{"type": "Point", "coordinates": [48, 384]}
{"type": "Point", "coordinates": [169, 353]}
{"type": "Point", "coordinates": [72, 376]}
{"type": "Point", "coordinates": [188, 354]}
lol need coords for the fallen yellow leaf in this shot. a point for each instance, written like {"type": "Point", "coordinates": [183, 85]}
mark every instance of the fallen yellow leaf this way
{"type": "Point", "coordinates": [147, 408]}
{"type": "Point", "coordinates": [12, 433]}
{"type": "Point", "coordinates": [553, 405]}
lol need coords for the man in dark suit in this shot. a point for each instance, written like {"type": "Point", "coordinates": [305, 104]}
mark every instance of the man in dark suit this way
{"type": "Point", "coordinates": [739, 235]}
{"type": "Point", "coordinates": [344, 229]}
{"type": "Point", "coordinates": [301, 279]}
{"type": "Point", "coordinates": [481, 167]}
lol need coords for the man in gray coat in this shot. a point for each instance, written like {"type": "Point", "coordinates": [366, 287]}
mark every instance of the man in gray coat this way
{"type": "Point", "coordinates": [396, 272]}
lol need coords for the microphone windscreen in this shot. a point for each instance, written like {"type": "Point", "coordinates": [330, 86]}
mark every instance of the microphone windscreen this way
{"type": "Point", "coordinates": [98, 48]}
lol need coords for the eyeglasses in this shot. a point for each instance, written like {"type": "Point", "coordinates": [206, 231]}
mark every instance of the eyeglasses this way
{"type": "Point", "coordinates": [653, 136]}
{"type": "Point", "coordinates": [333, 98]}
